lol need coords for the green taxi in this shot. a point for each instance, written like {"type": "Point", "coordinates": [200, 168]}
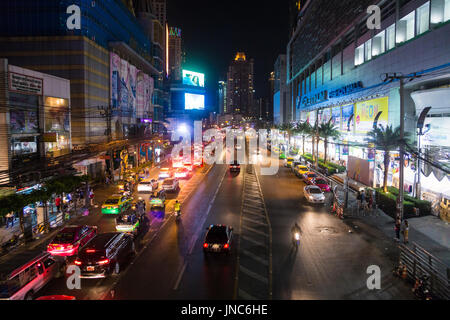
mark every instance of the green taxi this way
{"type": "Point", "coordinates": [116, 204]}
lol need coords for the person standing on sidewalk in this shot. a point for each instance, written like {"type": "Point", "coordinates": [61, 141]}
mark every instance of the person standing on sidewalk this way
{"type": "Point", "coordinates": [91, 197]}
{"type": "Point", "coordinates": [58, 203]}
{"type": "Point", "coordinates": [405, 231]}
{"type": "Point", "coordinates": [397, 227]}
{"type": "Point", "coordinates": [9, 218]}
{"type": "Point", "coordinates": [358, 200]}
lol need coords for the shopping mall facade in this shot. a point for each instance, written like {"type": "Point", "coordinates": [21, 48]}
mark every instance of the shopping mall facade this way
{"type": "Point", "coordinates": [341, 75]}
{"type": "Point", "coordinates": [108, 54]}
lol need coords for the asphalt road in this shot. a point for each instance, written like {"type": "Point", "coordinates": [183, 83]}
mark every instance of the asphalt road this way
{"type": "Point", "coordinates": [331, 262]}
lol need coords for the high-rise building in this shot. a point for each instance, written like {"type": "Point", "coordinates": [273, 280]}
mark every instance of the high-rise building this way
{"type": "Point", "coordinates": [175, 53]}
{"type": "Point", "coordinates": [222, 97]}
{"type": "Point", "coordinates": [240, 89]}
{"type": "Point", "coordinates": [281, 98]}
{"type": "Point", "coordinates": [160, 10]}
{"type": "Point", "coordinates": [271, 85]}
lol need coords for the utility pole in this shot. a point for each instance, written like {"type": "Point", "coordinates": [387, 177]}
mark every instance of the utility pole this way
{"type": "Point", "coordinates": [401, 78]}
{"type": "Point", "coordinates": [106, 111]}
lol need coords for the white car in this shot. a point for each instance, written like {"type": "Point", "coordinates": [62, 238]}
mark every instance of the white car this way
{"type": "Point", "coordinates": [164, 173]}
{"type": "Point", "coordinates": [171, 184]}
{"type": "Point", "coordinates": [147, 185]}
{"type": "Point", "coordinates": [313, 194]}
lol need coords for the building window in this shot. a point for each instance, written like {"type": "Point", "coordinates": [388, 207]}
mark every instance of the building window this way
{"type": "Point", "coordinates": [378, 44]}
{"type": "Point", "coordinates": [359, 55]}
{"type": "Point", "coordinates": [440, 11]}
{"type": "Point", "coordinates": [368, 50]}
{"type": "Point", "coordinates": [405, 28]}
{"type": "Point", "coordinates": [423, 18]}
{"type": "Point", "coordinates": [390, 37]}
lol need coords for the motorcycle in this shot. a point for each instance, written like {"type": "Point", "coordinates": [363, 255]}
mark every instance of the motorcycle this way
{"type": "Point", "coordinates": [177, 215]}
{"type": "Point", "coordinates": [421, 288]}
{"type": "Point", "coordinates": [296, 239]}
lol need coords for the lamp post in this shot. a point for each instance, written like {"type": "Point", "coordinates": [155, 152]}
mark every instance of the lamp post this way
{"type": "Point", "coordinates": [420, 123]}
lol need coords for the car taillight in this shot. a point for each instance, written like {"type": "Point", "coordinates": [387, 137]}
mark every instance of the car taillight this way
{"type": "Point", "coordinates": [205, 245]}
{"type": "Point", "coordinates": [226, 246]}
{"type": "Point", "coordinates": [102, 262]}
{"type": "Point", "coordinates": [90, 250]}
{"type": "Point", "coordinates": [77, 262]}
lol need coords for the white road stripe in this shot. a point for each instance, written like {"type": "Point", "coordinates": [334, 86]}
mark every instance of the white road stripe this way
{"type": "Point", "coordinates": [258, 243]}
{"type": "Point", "coordinates": [255, 257]}
{"type": "Point", "coordinates": [255, 231]}
{"type": "Point", "coordinates": [255, 221]}
{"type": "Point", "coordinates": [180, 276]}
{"type": "Point", "coordinates": [254, 275]}
{"type": "Point", "coordinates": [246, 295]}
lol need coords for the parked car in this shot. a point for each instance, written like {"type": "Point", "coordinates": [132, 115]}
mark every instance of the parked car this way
{"type": "Point", "coordinates": [322, 184]}
{"type": "Point", "coordinates": [25, 274]}
{"type": "Point", "coordinates": [309, 176]}
{"type": "Point", "coordinates": [313, 194]}
{"type": "Point", "coordinates": [288, 162]}
{"type": "Point", "coordinates": [300, 170]}
{"type": "Point", "coordinates": [70, 240]}
{"type": "Point", "coordinates": [171, 184]}
{"type": "Point", "coordinates": [106, 254]}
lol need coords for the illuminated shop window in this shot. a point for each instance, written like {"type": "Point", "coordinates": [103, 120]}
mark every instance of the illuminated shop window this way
{"type": "Point", "coordinates": [405, 28]}
{"type": "Point", "coordinates": [378, 44]}
{"type": "Point", "coordinates": [423, 18]}
{"type": "Point", "coordinates": [440, 11]}
{"type": "Point", "coordinates": [390, 37]}
{"type": "Point", "coordinates": [368, 50]}
{"type": "Point", "coordinates": [359, 55]}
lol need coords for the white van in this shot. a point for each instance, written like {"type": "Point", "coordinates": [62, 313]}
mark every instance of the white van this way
{"type": "Point", "coordinates": [23, 282]}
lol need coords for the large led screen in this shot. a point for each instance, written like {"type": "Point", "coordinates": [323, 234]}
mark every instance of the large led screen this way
{"type": "Point", "coordinates": [194, 101]}
{"type": "Point", "coordinates": [195, 79]}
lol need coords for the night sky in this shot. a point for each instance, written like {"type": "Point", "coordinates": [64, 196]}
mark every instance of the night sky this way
{"type": "Point", "coordinates": [214, 30]}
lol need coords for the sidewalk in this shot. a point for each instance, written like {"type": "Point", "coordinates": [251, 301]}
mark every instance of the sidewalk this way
{"type": "Point", "coordinates": [429, 232]}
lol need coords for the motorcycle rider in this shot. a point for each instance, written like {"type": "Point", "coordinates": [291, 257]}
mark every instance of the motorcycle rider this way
{"type": "Point", "coordinates": [295, 229]}
{"type": "Point", "coordinates": [177, 207]}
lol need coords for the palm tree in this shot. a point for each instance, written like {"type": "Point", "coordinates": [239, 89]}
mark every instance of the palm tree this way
{"type": "Point", "coordinates": [304, 129]}
{"type": "Point", "coordinates": [326, 131]}
{"type": "Point", "coordinates": [385, 139]}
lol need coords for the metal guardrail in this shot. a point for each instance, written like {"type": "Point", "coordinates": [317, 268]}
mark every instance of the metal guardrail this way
{"type": "Point", "coordinates": [420, 262]}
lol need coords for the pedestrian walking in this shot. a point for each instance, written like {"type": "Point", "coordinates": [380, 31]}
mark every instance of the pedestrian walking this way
{"type": "Point", "coordinates": [91, 197]}
{"type": "Point", "coordinates": [397, 229]}
{"type": "Point", "coordinates": [359, 199]}
{"type": "Point", "coordinates": [58, 203]}
{"type": "Point", "coordinates": [364, 201]}
{"type": "Point", "coordinates": [10, 219]}
{"type": "Point", "coordinates": [405, 231]}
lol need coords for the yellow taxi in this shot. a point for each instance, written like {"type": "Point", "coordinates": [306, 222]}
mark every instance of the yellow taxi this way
{"type": "Point", "coordinates": [300, 170]}
{"type": "Point", "coordinates": [116, 204]}
{"type": "Point", "coordinates": [288, 162]}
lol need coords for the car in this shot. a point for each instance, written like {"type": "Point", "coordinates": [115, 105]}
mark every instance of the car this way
{"type": "Point", "coordinates": [218, 239]}
{"type": "Point", "coordinates": [147, 185]}
{"type": "Point", "coordinates": [235, 166]}
{"type": "Point", "coordinates": [116, 204]}
{"type": "Point", "coordinates": [313, 194]}
{"type": "Point", "coordinates": [25, 274]}
{"type": "Point", "coordinates": [128, 222]}
{"type": "Point", "coordinates": [300, 170]}
{"type": "Point", "coordinates": [309, 176]}
{"type": "Point", "coordinates": [295, 164]}
{"type": "Point", "coordinates": [182, 173]}
{"type": "Point", "coordinates": [57, 297]}
{"type": "Point", "coordinates": [105, 255]}
{"type": "Point", "coordinates": [288, 162]}
{"type": "Point", "coordinates": [188, 166]}
{"type": "Point", "coordinates": [158, 197]}
{"type": "Point", "coordinates": [164, 173]}
{"type": "Point", "coordinates": [171, 184]}
{"type": "Point", "coordinates": [70, 240]}
{"type": "Point", "coordinates": [322, 184]}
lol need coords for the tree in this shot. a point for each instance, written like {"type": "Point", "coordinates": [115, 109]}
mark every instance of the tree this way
{"type": "Point", "coordinates": [328, 131]}
{"type": "Point", "coordinates": [385, 139]}
{"type": "Point", "coordinates": [304, 129]}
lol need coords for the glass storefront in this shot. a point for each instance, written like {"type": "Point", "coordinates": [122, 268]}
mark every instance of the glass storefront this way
{"type": "Point", "coordinates": [57, 127]}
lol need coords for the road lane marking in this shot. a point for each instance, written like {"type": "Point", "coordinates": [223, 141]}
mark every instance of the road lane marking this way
{"type": "Point", "coordinates": [256, 231]}
{"type": "Point", "coordinates": [255, 257]}
{"type": "Point", "coordinates": [254, 275]}
{"type": "Point", "coordinates": [177, 283]}
{"type": "Point", "coordinates": [255, 221]}
{"type": "Point", "coordinates": [246, 295]}
{"type": "Point", "coordinates": [259, 243]}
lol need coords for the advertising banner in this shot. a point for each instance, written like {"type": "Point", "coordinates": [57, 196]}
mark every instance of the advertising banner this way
{"type": "Point", "coordinates": [115, 81]}
{"type": "Point", "coordinates": [191, 78]}
{"type": "Point", "coordinates": [132, 90]}
{"type": "Point", "coordinates": [366, 111]}
{"type": "Point", "coordinates": [311, 117]}
{"type": "Point", "coordinates": [336, 117]}
{"type": "Point", "coordinates": [347, 112]}
{"type": "Point", "coordinates": [324, 115]}
{"type": "Point", "coordinates": [437, 131]}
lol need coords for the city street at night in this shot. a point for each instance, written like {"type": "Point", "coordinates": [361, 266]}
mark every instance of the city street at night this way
{"type": "Point", "coordinates": [207, 159]}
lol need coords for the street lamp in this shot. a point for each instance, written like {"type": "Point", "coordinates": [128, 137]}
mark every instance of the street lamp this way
{"type": "Point", "coordinates": [420, 123]}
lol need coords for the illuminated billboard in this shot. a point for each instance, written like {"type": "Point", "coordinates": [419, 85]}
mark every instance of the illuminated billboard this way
{"type": "Point", "coordinates": [194, 101]}
{"type": "Point", "coordinates": [195, 79]}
